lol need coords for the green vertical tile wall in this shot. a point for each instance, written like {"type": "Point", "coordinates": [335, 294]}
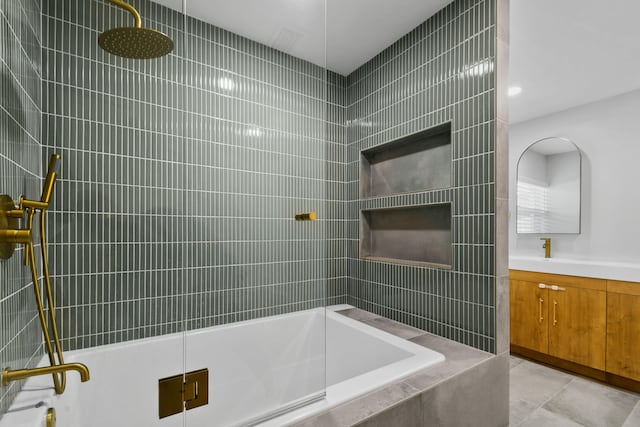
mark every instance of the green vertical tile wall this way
{"type": "Point", "coordinates": [181, 176]}
{"type": "Point", "coordinates": [118, 209]}
{"type": "Point", "coordinates": [338, 277]}
{"type": "Point", "coordinates": [255, 151]}
{"type": "Point", "coordinates": [442, 71]}
{"type": "Point", "coordinates": [20, 170]}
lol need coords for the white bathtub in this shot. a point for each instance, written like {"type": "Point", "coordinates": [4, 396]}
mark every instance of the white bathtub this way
{"type": "Point", "coordinates": [254, 367]}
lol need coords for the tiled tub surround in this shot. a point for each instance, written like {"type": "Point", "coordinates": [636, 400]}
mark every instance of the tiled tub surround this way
{"type": "Point", "coordinates": [285, 354]}
{"type": "Point", "coordinates": [164, 190]}
{"type": "Point", "coordinates": [444, 71]}
{"type": "Point", "coordinates": [181, 177]}
{"type": "Point", "coordinates": [468, 389]}
{"type": "Point", "coordinates": [20, 171]}
{"type": "Point", "coordinates": [197, 182]}
{"type": "Point", "coordinates": [170, 181]}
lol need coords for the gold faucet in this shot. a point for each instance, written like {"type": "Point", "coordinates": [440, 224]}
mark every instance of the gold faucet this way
{"type": "Point", "coordinates": [20, 374]}
{"type": "Point", "coordinates": [547, 246]}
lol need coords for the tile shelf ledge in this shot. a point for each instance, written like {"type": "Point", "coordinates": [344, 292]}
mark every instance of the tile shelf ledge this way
{"type": "Point", "coordinates": [408, 262]}
{"type": "Point", "coordinates": [629, 272]}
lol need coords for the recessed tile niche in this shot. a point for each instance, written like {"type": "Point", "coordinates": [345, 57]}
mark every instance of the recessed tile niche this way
{"type": "Point", "coordinates": [418, 162]}
{"type": "Point", "coordinates": [415, 235]}
{"type": "Point", "coordinates": [407, 234]}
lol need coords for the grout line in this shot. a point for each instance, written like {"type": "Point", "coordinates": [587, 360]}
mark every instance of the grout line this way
{"type": "Point", "coordinates": [636, 407]}
{"type": "Point", "coordinates": [541, 406]}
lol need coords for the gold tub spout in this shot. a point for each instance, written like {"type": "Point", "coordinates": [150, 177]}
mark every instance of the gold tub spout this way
{"type": "Point", "coordinates": [20, 374]}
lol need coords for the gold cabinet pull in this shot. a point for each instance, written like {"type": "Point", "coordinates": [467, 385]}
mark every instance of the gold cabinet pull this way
{"type": "Point", "coordinates": [555, 320]}
{"type": "Point", "coordinates": [540, 301]}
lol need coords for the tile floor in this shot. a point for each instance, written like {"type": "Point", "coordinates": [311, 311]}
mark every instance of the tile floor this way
{"type": "Point", "coordinates": [544, 397]}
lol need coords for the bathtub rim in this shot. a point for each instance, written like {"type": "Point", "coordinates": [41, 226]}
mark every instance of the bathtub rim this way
{"type": "Point", "coordinates": [342, 392]}
{"type": "Point", "coordinates": [334, 395]}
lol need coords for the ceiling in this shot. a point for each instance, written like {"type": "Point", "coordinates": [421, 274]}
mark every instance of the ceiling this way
{"type": "Point", "coordinates": [563, 53]}
{"type": "Point", "coordinates": [356, 30]}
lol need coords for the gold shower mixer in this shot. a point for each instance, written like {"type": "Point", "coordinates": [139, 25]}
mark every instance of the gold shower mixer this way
{"type": "Point", "coordinates": [10, 234]}
{"type": "Point", "coordinates": [10, 215]}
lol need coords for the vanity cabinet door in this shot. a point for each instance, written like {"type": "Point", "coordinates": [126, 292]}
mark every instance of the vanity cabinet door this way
{"type": "Point", "coordinates": [529, 308]}
{"type": "Point", "coordinates": [577, 325]}
{"type": "Point", "coordinates": [623, 329]}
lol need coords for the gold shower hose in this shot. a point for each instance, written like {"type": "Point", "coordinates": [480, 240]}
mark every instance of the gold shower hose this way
{"type": "Point", "coordinates": [59, 379]}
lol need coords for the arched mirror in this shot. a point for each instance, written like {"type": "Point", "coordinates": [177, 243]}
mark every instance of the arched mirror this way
{"type": "Point", "coordinates": [548, 188]}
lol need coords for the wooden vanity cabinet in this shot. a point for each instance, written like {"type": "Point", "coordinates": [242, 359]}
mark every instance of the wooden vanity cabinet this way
{"type": "Point", "coordinates": [623, 329]}
{"type": "Point", "coordinates": [559, 316]}
{"type": "Point", "coordinates": [528, 306]}
{"type": "Point", "coordinates": [585, 325]}
{"type": "Point", "coordinates": [577, 326]}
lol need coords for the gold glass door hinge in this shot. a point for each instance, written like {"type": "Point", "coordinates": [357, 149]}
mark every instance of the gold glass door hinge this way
{"type": "Point", "coordinates": [179, 393]}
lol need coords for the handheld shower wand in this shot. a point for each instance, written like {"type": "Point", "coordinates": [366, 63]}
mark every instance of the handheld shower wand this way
{"type": "Point", "coordinates": [31, 206]}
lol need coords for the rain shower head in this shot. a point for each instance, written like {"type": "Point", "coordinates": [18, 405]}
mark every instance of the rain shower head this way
{"type": "Point", "coordinates": [135, 42]}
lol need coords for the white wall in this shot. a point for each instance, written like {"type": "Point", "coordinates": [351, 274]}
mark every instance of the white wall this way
{"type": "Point", "coordinates": [608, 134]}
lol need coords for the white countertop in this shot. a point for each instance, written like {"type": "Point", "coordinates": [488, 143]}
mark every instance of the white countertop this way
{"type": "Point", "coordinates": [577, 267]}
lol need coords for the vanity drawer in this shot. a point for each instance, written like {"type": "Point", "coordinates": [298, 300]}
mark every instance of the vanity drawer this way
{"type": "Point", "coordinates": [559, 280]}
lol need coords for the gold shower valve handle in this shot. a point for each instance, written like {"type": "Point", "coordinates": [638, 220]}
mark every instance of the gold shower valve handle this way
{"type": "Point", "coordinates": [15, 236]}
{"type": "Point", "coordinates": [308, 216]}
{"type": "Point", "coordinates": [14, 213]}
{"type": "Point", "coordinates": [10, 231]}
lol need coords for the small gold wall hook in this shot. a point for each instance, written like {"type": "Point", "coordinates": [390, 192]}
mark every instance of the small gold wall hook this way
{"type": "Point", "coordinates": [308, 216]}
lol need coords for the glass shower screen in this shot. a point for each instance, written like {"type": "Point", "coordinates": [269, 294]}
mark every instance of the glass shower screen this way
{"type": "Point", "coordinates": [254, 156]}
